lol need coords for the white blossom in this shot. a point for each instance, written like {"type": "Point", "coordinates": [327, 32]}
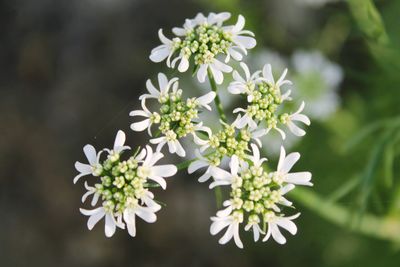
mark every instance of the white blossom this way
{"type": "Point", "coordinates": [229, 221]}
{"type": "Point", "coordinates": [86, 169]}
{"type": "Point", "coordinates": [274, 222]}
{"type": "Point", "coordinates": [163, 88]}
{"type": "Point", "coordinates": [164, 51]}
{"type": "Point", "coordinates": [269, 78]}
{"type": "Point", "coordinates": [242, 85]}
{"type": "Point", "coordinates": [285, 164]}
{"type": "Point", "coordinates": [297, 116]}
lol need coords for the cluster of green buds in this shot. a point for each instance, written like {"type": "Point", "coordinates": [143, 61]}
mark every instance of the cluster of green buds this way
{"type": "Point", "coordinates": [122, 183]}
{"type": "Point", "coordinates": [204, 42]}
{"type": "Point", "coordinates": [228, 141]}
{"type": "Point", "coordinates": [256, 195]}
{"type": "Point", "coordinates": [176, 115]}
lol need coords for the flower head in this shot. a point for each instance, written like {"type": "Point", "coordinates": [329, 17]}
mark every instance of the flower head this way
{"type": "Point", "coordinates": [204, 38]}
{"type": "Point", "coordinates": [256, 197]}
{"type": "Point", "coordinates": [123, 188]}
{"type": "Point", "coordinates": [176, 117]}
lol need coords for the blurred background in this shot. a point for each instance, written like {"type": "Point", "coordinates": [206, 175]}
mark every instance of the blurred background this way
{"type": "Point", "coordinates": [71, 70]}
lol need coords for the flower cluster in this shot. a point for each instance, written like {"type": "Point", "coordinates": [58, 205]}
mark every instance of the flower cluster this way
{"type": "Point", "coordinates": [175, 118]}
{"type": "Point", "coordinates": [203, 39]}
{"type": "Point", "coordinates": [228, 142]}
{"type": "Point", "coordinates": [264, 96]}
{"type": "Point", "coordinates": [256, 197]}
{"type": "Point", "coordinates": [122, 185]}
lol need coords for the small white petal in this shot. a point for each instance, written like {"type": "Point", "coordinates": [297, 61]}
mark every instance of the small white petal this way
{"type": "Point", "coordinates": [90, 154]}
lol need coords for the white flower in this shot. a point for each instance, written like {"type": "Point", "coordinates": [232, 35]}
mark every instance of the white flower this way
{"type": "Point", "coordinates": [206, 99]}
{"type": "Point", "coordinates": [256, 134]}
{"type": "Point", "coordinates": [91, 191]}
{"type": "Point", "coordinates": [222, 177]}
{"type": "Point", "coordinates": [242, 42]}
{"type": "Point", "coordinates": [317, 81]}
{"type": "Point", "coordinates": [269, 78]}
{"type": "Point", "coordinates": [285, 164]}
{"type": "Point", "coordinates": [231, 222]}
{"type": "Point", "coordinates": [297, 116]}
{"type": "Point", "coordinates": [136, 198]}
{"type": "Point", "coordinates": [164, 51]}
{"type": "Point", "coordinates": [170, 138]}
{"type": "Point", "coordinates": [163, 84]}
{"type": "Point", "coordinates": [144, 124]}
{"type": "Point", "coordinates": [199, 163]}
{"type": "Point", "coordinates": [96, 215]}
{"type": "Point", "coordinates": [256, 158]}
{"type": "Point", "coordinates": [146, 213]}
{"type": "Point", "coordinates": [245, 85]}
{"type": "Point", "coordinates": [200, 128]}
{"type": "Point", "coordinates": [155, 172]}
{"type": "Point", "coordinates": [86, 169]}
{"type": "Point", "coordinates": [253, 224]}
{"type": "Point", "coordinates": [284, 222]}
{"type": "Point", "coordinates": [216, 67]}
{"type": "Point", "coordinates": [245, 120]}
{"type": "Point", "coordinates": [119, 145]}
{"type": "Point", "coordinates": [200, 19]}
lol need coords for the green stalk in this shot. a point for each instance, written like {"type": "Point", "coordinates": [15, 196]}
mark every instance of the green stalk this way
{"type": "Point", "coordinates": [217, 100]}
{"type": "Point", "coordinates": [220, 109]}
{"type": "Point", "coordinates": [387, 228]}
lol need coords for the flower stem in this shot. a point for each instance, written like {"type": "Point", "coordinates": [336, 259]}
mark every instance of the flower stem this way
{"type": "Point", "coordinates": [217, 100]}
{"type": "Point", "coordinates": [220, 109]}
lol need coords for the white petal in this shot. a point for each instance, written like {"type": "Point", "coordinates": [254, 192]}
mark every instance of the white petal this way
{"type": "Point", "coordinates": [276, 234]}
{"type": "Point", "coordinates": [119, 140]}
{"type": "Point", "coordinates": [245, 41]}
{"type": "Point", "coordinates": [129, 218]}
{"type": "Point", "coordinates": [110, 226]}
{"type": "Point", "coordinates": [152, 89]}
{"type": "Point", "coordinates": [202, 73]}
{"type": "Point", "coordinates": [300, 178]}
{"type": "Point", "coordinates": [204, 177]}
{"type": "Point", "coordinates": [195, 165]}
{"type": "Point", "coordinates": [217, 74]}
{"type": "Point", "coordinates": [183, 65]}
{"type": "Point", "coordinates": [234, 165]}
{"type": "Point", "coordinates": [301, 117]}
{"type": "Point", "coordinates": [295, 129]}
{"type": "Point", "coordinates": [160, 53]}
{"type": "Point", "coordinates": [217, 226]}
{"type": "Point", "coordinates": [162, 37]}
{"type": "Point", "coordinates": [221, 174]}
{"type": "Point", "coordinates": [289, 161]}
{"type": "Point", "coordinates": [164, 170]}
{"type": "Point", "coordinates": [228, 235]}
{"type": "Point", "coordinates": [158, 179]}
{"type": "Point", "coordinates": [141, 125]}
{"type": "Point", "coordinates": [94, 219]}
{"type": "Point", "coordinates": [206, 99]}
{"type": "Point", "coordinates": [288, 225]}
{"type": "Point", "coordinates": [179, 149]}
{"type": "Point", "coordinates": [146, 215]}
{"type": "Point", "coordinates": [90, 154]}
{"type": "Point", "coordinates": [236, 236]}
{"type": "Point", "coordinates": [267, 73]}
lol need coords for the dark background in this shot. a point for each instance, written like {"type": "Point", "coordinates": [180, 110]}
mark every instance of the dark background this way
{"type": "Point", "coordinates": [70, 72]}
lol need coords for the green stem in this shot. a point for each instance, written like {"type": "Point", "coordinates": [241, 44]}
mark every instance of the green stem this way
{"type": "Point", "coordinates": [217, 100]}
{"type": "Point", "coordinates": [369, 20]}
{"type": "Point", "coordinates": [387, 228]}
{"type": "Point", "coordinates": [220, 109]}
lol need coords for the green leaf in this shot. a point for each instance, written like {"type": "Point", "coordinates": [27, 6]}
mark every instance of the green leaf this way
{"type": "Point", "coordinates": [388, 160]}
